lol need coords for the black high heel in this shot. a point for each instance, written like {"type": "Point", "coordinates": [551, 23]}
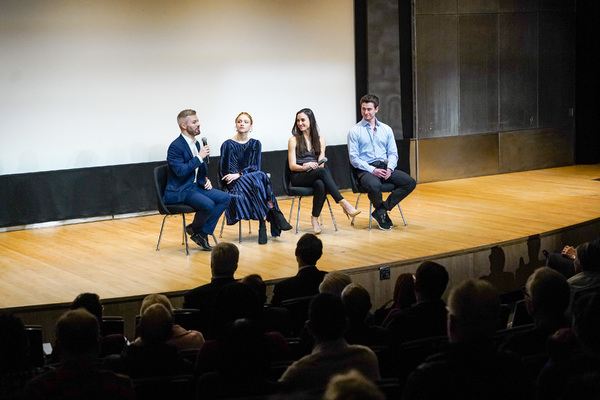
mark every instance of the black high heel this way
{"type": "Point", "coordinates": [278, 218]}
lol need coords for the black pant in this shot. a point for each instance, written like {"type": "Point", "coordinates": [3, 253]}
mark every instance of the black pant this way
{"type": "Point", "coordinates": [322, 183]}
{"type": "Point", "coordinates": [402, 181]}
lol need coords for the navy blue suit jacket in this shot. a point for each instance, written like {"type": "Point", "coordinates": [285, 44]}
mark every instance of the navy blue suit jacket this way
{"type": "Point", "coordinates": [181, 172]}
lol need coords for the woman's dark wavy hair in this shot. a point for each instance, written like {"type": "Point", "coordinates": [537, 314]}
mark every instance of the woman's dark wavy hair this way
{"type": "Point", "coordinates": [314, 133]}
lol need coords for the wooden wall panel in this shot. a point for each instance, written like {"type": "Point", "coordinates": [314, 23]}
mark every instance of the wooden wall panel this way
{"type": "Point", "coordinates": [535, 149]}
{"type": "Point", "coordinates": [518, 62]}
{"type": "Point", "coordinates": [437, 76]}
{"type": "Point", "coordinates": [478, 73]}
{"type": "Point", "coordinates": [457, 157]}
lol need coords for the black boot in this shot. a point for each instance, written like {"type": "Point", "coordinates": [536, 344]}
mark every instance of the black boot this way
{"type": "Point", "coordinates": [278, 218]}
{"type": "Point", "coordinates": [262, 232]}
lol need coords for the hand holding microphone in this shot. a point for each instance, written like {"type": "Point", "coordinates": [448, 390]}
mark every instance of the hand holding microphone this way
{"type": "Point", "coordinates": [204, 144]}
{"type": "Point", "coordinates": [321, 162]}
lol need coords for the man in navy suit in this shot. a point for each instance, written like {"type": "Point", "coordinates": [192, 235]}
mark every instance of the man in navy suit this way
{"type": "Point", "coordinates": [188, 182]}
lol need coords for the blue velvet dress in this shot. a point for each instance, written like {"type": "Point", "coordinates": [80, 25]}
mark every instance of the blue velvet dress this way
{"type": "Point", "coordinates": [251, 192]}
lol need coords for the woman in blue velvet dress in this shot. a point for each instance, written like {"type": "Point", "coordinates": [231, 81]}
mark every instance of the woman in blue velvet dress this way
{"type": "Point", "coordinates": [250, 188]}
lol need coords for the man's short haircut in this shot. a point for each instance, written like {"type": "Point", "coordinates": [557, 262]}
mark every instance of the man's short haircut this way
{"type": "Point", "coordinates": [156, 324]}
{"type": "Point", "coordinates": [327, 317]}
{"type": "Point", "coordinates": [475, 306]}
{"type": "Point", "coordinates": [258, 285]}
{"type": "Point", "coordinates": [588, 255]}
{"type": "Point", "coordinates": [78, 332]}
{"type": "Point", "coordinates": [335, 282]}
{"type": "Point", "coordinates": [549, 292]}
{"type": "Point", "coordinates": [357, 301]}
{"type": "Point", "coordinates": [352, 385]}
{"type": "Point", "coordinates": [370, 98]}
{"type": "Point", "coordinates": [89, 301]}
{"type": "Point", "coordinates": [309, 248]}
{"type": "Point", "coordinates": [224, 259]}
{"type": "Point", "coordinates": [183, 115]}
{"type": "Point", "coordinates": [431, 279]}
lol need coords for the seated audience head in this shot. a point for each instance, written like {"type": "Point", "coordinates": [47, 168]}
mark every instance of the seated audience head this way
{"type": "Point", "coordinates": [256, 283]}
{"type": "Point", "coordinates": [327, 319]}
{"type": "Point", "coordinates": [473, 311]}
{"type": "Point", "coordinates": [224, 259]}
{"type": "Point", "coordinates": [404, 291]}
{"type": "Point", "coordinates": [89, 301]}
{"type": "Point", "coordinates": [357, 301]}
{"type": "Point", "coordinates": [308, 250]}
{"type": "Point", "coordinates": [334, 282]}
{"type": "Point", "coordinates": [243, 350]}
{"type": "Point", "coordinates": [586, 322]}
{"type": "Point", "coordinates": [588, 256]}
{"type": "Point", "coordinates": [547, 296]}
{"type": "Point", "coordinates": [156, 325]}
{"type": "Point", "coordinates": [431, 280]}
{"type": "Point", "coordinates": [352, 386]}
{"type": "Point", "coordinates": [156, 298]}
{"type": "Point", "coordinates": [233, 301]}
{"type": "Point", "coordinates": [13, 344]}
{"type": "Point", "coordinates": [78, 335]}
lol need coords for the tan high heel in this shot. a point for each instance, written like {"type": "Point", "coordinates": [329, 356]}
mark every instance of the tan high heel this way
{"type": "Point", "coordinates": [348, 209]}
{"type": "Point", "coordinates": [316, 230]}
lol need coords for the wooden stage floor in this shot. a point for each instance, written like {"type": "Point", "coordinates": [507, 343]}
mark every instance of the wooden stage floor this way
{"type": "Point", "coordinates": [117, 258]}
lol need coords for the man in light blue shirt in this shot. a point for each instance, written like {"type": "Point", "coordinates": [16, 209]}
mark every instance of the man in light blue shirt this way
{"type": "Point", "coordinates": [372, 151]}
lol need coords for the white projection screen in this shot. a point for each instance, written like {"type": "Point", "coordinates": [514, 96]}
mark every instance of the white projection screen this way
{"type": "Point", "coordinates": [93, 83]}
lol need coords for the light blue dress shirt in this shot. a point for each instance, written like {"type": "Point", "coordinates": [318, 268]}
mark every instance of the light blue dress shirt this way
{"type": "Point", "coordinates": [366, 146]}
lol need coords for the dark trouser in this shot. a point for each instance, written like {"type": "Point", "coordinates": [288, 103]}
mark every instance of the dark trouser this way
{"type": "Point", "coordinates": [209, 204]}
{"type": "Point", "coordinates": [322, 183]}
{"type": "Point", "coordinates": [402, 181]}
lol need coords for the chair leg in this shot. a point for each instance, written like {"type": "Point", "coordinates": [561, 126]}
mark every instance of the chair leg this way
{"type": "Point", "coordinates": [356, 206]}
{"type": "Point", "coordinates": [240, 231]}
{"type": "Point", "coordinates": [331, 212]}
{"type": "Point", "coordinates": [187, 250]}
{"type": "Point", "coordinates": [222, 226]}
{"type": "Point", "coordinates": [292, 209]}
{"type": "Point", "coordinates": [298, 215]}
{"type": "Point", "coordinates": [249, 227]}
{"type": "Point", "coordinates": [402, 214]}
{"type": "Point", "coordinates": [370, 212]}
{"type": "Point", "coordinates": [161, 231]}
{"type": "Point", "coordinates": [214, 238]}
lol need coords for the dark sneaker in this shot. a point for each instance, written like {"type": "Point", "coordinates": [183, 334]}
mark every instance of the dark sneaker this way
{"type": "Point", "coordinates": [201, 239]}
{"type": "Point", "coordinates": [388, 219]}
{"type": "Point", "coordinates": [381, 220]}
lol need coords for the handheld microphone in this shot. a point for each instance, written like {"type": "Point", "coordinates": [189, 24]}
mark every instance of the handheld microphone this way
{"type": "Point", "coordinates": [205, 143]}
{"type": "Point", "coordinates": [385, 164]}
{"type": "Point", "coordinates": [323, 161]}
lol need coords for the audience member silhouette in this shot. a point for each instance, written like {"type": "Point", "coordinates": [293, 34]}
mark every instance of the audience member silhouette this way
{"type": "Point", "coordinates": [77, 377]}
{"type": "Point", "coordinates": [112, 343]}
{"type": "Point", "coordinates": [547, 298]}
{"type": "Point", "coordinates": [242, 366]}
{"type": "Point", "coordinates": [533, 252]}
{"type": "Point", "coordinates": [15, 368]}
{"type": "Point", "coordinates": [151, 356]}
{"type": "Point", "coordinates": [562, 261]}
{"type": "Point", "coordinates": [334, 282]}
{"type": "Point", "coordinates": [273, 319]}
{"type": "Point", "coordinates": [306, 282]}
{"type": "Point", "coordinates": [574, 363]}
{"type": "Point", "coordinates": [471, 368]}
{"type": "Point", "coordinates": [502, 280]}
{"type": "Point", "coordinates": [587, 267]}
{"type": "Point", "coordinates": [404, 297]}
{"type": "Point", "coordinates": [352, 386]}
{"type": "Point", "coordinates": [357, 301]}
{"type": "Point", "coordinates": [181, 338]}
{"type": "Point", "coordinates": [427, 317]}
{"type": "Point", "coordinates": [223, 264]}
{"type": "Point", "coordinates": [327, 323]}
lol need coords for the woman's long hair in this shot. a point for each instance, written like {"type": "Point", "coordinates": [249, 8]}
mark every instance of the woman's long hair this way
{"type": "Point", "coordinates": [314, 133]}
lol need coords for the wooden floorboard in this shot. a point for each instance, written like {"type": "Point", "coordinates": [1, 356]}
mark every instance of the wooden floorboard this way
{"type": "Point", "coordinates": [117, 258]}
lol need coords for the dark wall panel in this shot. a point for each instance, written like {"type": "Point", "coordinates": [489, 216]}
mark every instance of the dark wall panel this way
{"type": "Point", "coordinates": [556, 69]}
{"type": "Point", "coordinates": [436, 6]}
{"type": "Point", "coordinates": [457, 157]}
{"type": "Point", "coordinates": [437, 75]}
{"type": "Point", "coordinates": [518, 62]}
{"type": "Point", "coordinates": [518, 5]}
{"type": "Point", "coordinates": [478, 6]}
{"type": "Point", "coordinates": [384, 61]}
{"type": "Point", "coordinates": [478, 73]}
{"type": "Point", "coordinates": [535, 149]}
